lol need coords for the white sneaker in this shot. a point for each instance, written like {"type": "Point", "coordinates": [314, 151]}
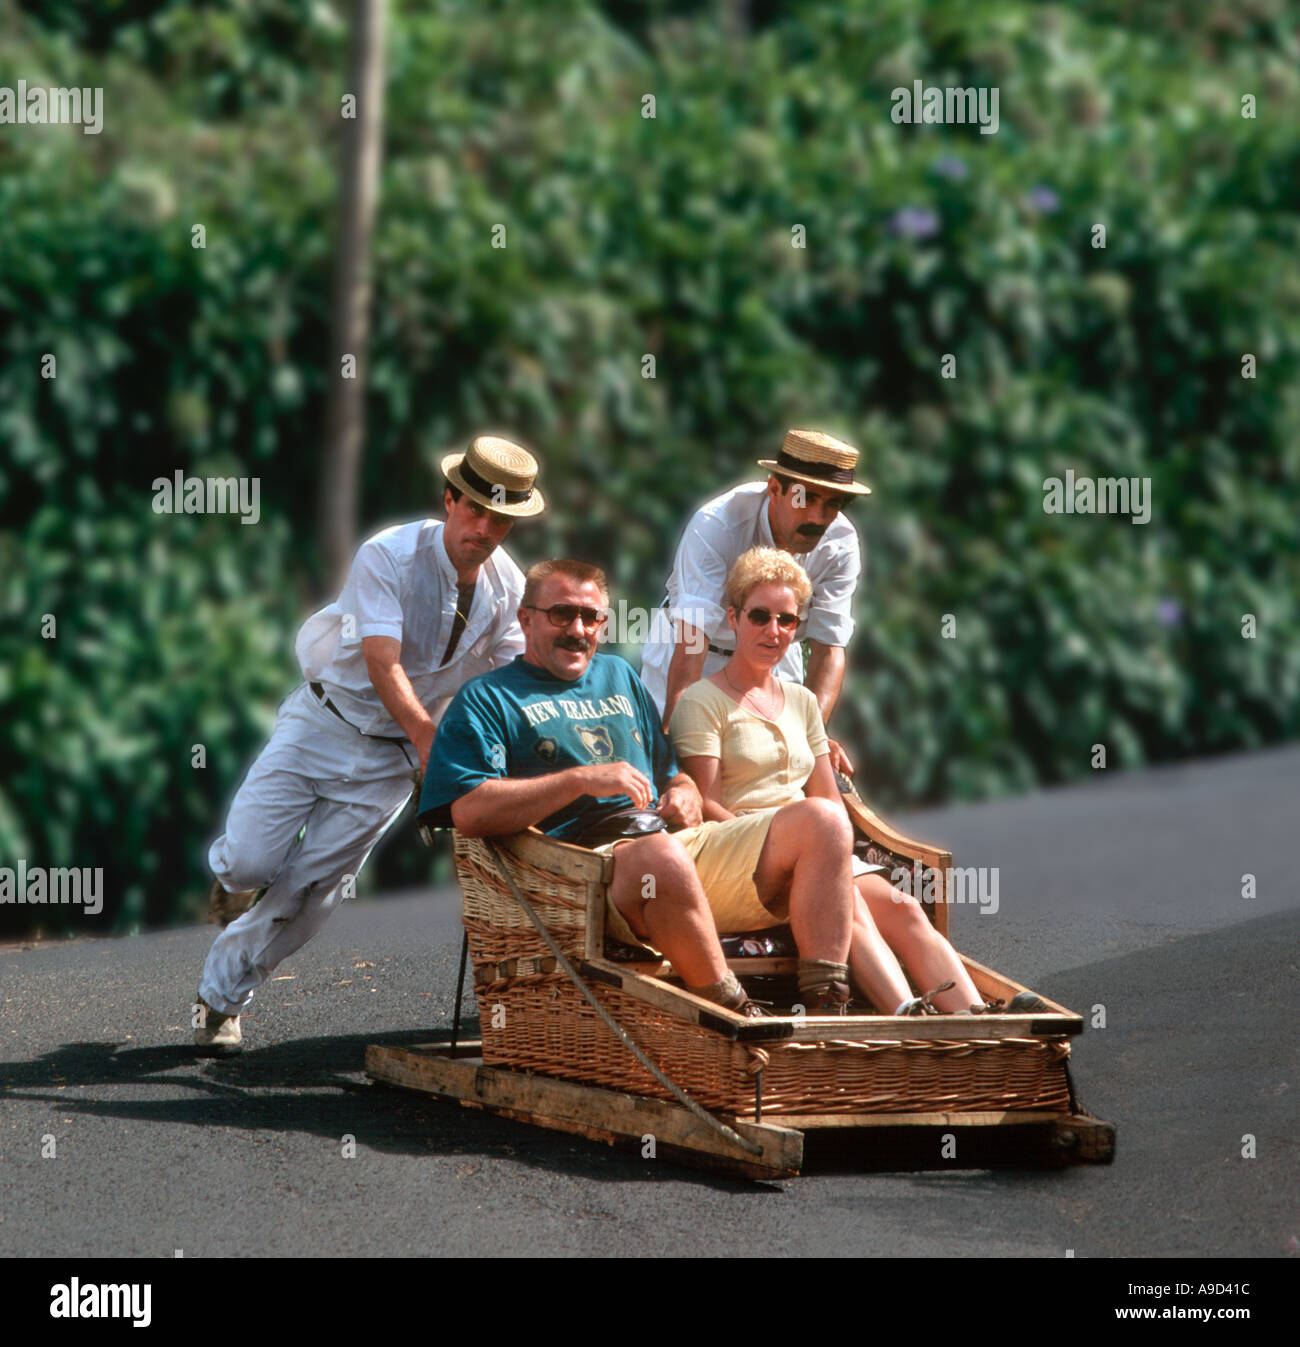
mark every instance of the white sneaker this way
{"type": "Point", "coordinates": [219, 1035]}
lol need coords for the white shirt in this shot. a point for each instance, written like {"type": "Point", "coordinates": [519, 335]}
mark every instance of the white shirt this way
{"type": "Point", "coordinates": [402, 584]}
{"type": "Point", "coordinates": [717, 535]}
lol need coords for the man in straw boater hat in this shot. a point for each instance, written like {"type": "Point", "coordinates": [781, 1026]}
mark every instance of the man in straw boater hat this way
{"type": "Point", "coordinates": [798, 510]}
{"type": "Point", "coordinates": [426, 606]}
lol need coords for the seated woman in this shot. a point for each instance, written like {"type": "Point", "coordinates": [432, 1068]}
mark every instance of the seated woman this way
{"type": "Point", "coordinates": [752, 742]}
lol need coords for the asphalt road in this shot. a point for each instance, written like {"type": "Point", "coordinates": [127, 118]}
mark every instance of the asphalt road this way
{"type": "Point", "coordinates": [1125, 893]}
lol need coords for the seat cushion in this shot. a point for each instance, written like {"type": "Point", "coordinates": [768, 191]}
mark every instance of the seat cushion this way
{"type": "Point", "coordinates": [771, 942]}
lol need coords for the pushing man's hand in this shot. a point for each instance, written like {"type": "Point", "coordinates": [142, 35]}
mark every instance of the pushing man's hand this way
{"type": "Point", "coordinates": [840, 760]}
{"type": "Point", "coordinates": [423, 744]}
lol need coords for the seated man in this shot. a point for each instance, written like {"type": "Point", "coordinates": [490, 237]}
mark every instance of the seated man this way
{"type": "Point", "coordinates": [564, 738]}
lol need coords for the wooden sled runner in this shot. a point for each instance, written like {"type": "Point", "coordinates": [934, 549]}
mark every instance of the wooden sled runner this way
{"type": "Point", "coordinates": [600, 1040]}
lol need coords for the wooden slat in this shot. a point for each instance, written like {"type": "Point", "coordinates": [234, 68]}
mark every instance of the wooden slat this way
{"type": "Point", "coordinates": [1015, 1140]}
{"type": "Point", "coordinates": [879, 831]}
{"type": "Point", "coordinates": [560, 858]}
{"type": "Point", "coordinates": [874, 827]}
{"type": "Point", "coordinates": [1093, 1139]}
{"type": "Point", "coordinates": [646, 969]}
{"type": "Point", "coordinates": [594, 937]}
{"type": "Point", "coordinates": [694, 1009]}
{"type": "Point", "coordinates": [988, 1118]}
{"type": "Point", "coordinates": [585, 1110]}
{"type": "Point", "coordinates": [663, 996]}
{"type": "Point", "coordinates": [994, 984]}
{"type": "Point", "coordinates": [989, 982]}
{"type": "Point", "coordinates": [765, 965]}
{"type": "Point", "coordinates": [929, 1028]}
{"type": "Point", "coordinates": [818, 1028]}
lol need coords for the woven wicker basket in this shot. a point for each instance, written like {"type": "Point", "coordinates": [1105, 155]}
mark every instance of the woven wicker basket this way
{"type": "Point", "coordinates": [534, 1019]}
{"type": "Point", "coordinates": [497, 926]}
{"type": "Point", "coordinates": [544, 1024]}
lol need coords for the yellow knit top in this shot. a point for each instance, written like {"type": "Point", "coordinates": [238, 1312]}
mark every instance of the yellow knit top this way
{"type": "Point", "coordinates": [764, 763]}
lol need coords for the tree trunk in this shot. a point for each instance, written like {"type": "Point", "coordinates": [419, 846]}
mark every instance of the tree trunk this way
{"type": "Point", "coordinates": [735, 23]}
{"type": "Point", "coordinates": [350, 317]}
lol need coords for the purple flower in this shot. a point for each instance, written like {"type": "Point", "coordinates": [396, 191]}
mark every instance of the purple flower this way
{"type": "Point", "coordinates": [1043, 199]}
{"type": "Point", "coordinates": [949, 166]}
{"type": "Point", "coordinates": [1169, 612]}
{"type": "Point", "coordinates": [914, 222]}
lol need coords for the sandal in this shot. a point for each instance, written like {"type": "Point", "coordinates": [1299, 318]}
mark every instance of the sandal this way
{"type": "Point", "coordinates": [1022, 1003]}
{"type": "Point", "coordinates": [924, 1005]}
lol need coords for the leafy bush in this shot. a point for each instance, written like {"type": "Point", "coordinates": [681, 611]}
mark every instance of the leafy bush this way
{"type": "Point", "coordinates": [670, 236]}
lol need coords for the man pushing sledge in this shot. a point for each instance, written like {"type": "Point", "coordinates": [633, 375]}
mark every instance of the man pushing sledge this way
{"type": "Point", "coordinates": [797, 510]}
{"type": "Point", "coordinates": [426, 606]}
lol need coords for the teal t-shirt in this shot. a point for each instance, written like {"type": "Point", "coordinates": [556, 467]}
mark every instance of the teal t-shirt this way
{"type": "Point", "coordinates": [521, 721]}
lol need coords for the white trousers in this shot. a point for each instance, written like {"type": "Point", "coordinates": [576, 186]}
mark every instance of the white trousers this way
{"type": "Point", "coordinates": [347, 790]}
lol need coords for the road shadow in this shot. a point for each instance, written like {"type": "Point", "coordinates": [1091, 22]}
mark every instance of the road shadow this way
{"type": "Point", "coordinates": [317, 1086]}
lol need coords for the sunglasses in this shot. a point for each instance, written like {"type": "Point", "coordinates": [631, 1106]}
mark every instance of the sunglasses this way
{"type": "Point", "coordinates": [562, 614]}
{"type": "Point", "coordinates": [760, 617]}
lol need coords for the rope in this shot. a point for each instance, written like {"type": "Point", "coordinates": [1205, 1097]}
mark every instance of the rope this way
{"type": "Point", "coordinates": [730, 1134]}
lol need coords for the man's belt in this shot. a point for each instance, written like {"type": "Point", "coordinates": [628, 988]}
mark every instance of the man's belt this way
{"type": "Point", "coordinates": [329, 706]}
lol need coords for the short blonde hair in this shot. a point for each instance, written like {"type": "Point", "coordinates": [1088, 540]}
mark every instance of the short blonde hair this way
{"type": "Point", "coordinates": [765, 566]}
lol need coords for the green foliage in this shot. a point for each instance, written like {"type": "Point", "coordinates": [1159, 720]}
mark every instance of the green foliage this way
{"type": "Point", "coordinates": [670, 236]}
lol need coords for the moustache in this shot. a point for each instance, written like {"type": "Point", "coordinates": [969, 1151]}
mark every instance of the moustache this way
{"type": "Point", "coordinates": [811, 530]}
{"type": "Point", "coordinates": [575, 643]}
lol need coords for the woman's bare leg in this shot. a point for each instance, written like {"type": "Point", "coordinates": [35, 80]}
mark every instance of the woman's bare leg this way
{"type": "Point", "coordinates": [874, 967]}
{"type": "Point", "coordinates": [928, 957]}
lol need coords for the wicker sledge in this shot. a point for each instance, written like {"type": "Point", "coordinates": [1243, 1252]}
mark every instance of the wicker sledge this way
{"type": "Point", "coordinates": [585, 1036]}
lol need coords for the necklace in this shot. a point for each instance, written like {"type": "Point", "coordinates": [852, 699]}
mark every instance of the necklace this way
{"type": "Point", "coordinates": [769, 714]}
{"type": "Point", "coordinates": [465, 597]}
{"type": "Point", "coordinates": [464, 593]}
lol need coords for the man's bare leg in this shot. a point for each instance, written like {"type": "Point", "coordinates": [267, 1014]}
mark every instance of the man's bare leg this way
{"type": "Point", "coordinates": [676, 919]}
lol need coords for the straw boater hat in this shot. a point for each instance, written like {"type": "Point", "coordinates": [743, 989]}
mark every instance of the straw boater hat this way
{"type": "Point", "coordinates": [496, 473]}
{"type": "Point", "coordinates": [811, 456]}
